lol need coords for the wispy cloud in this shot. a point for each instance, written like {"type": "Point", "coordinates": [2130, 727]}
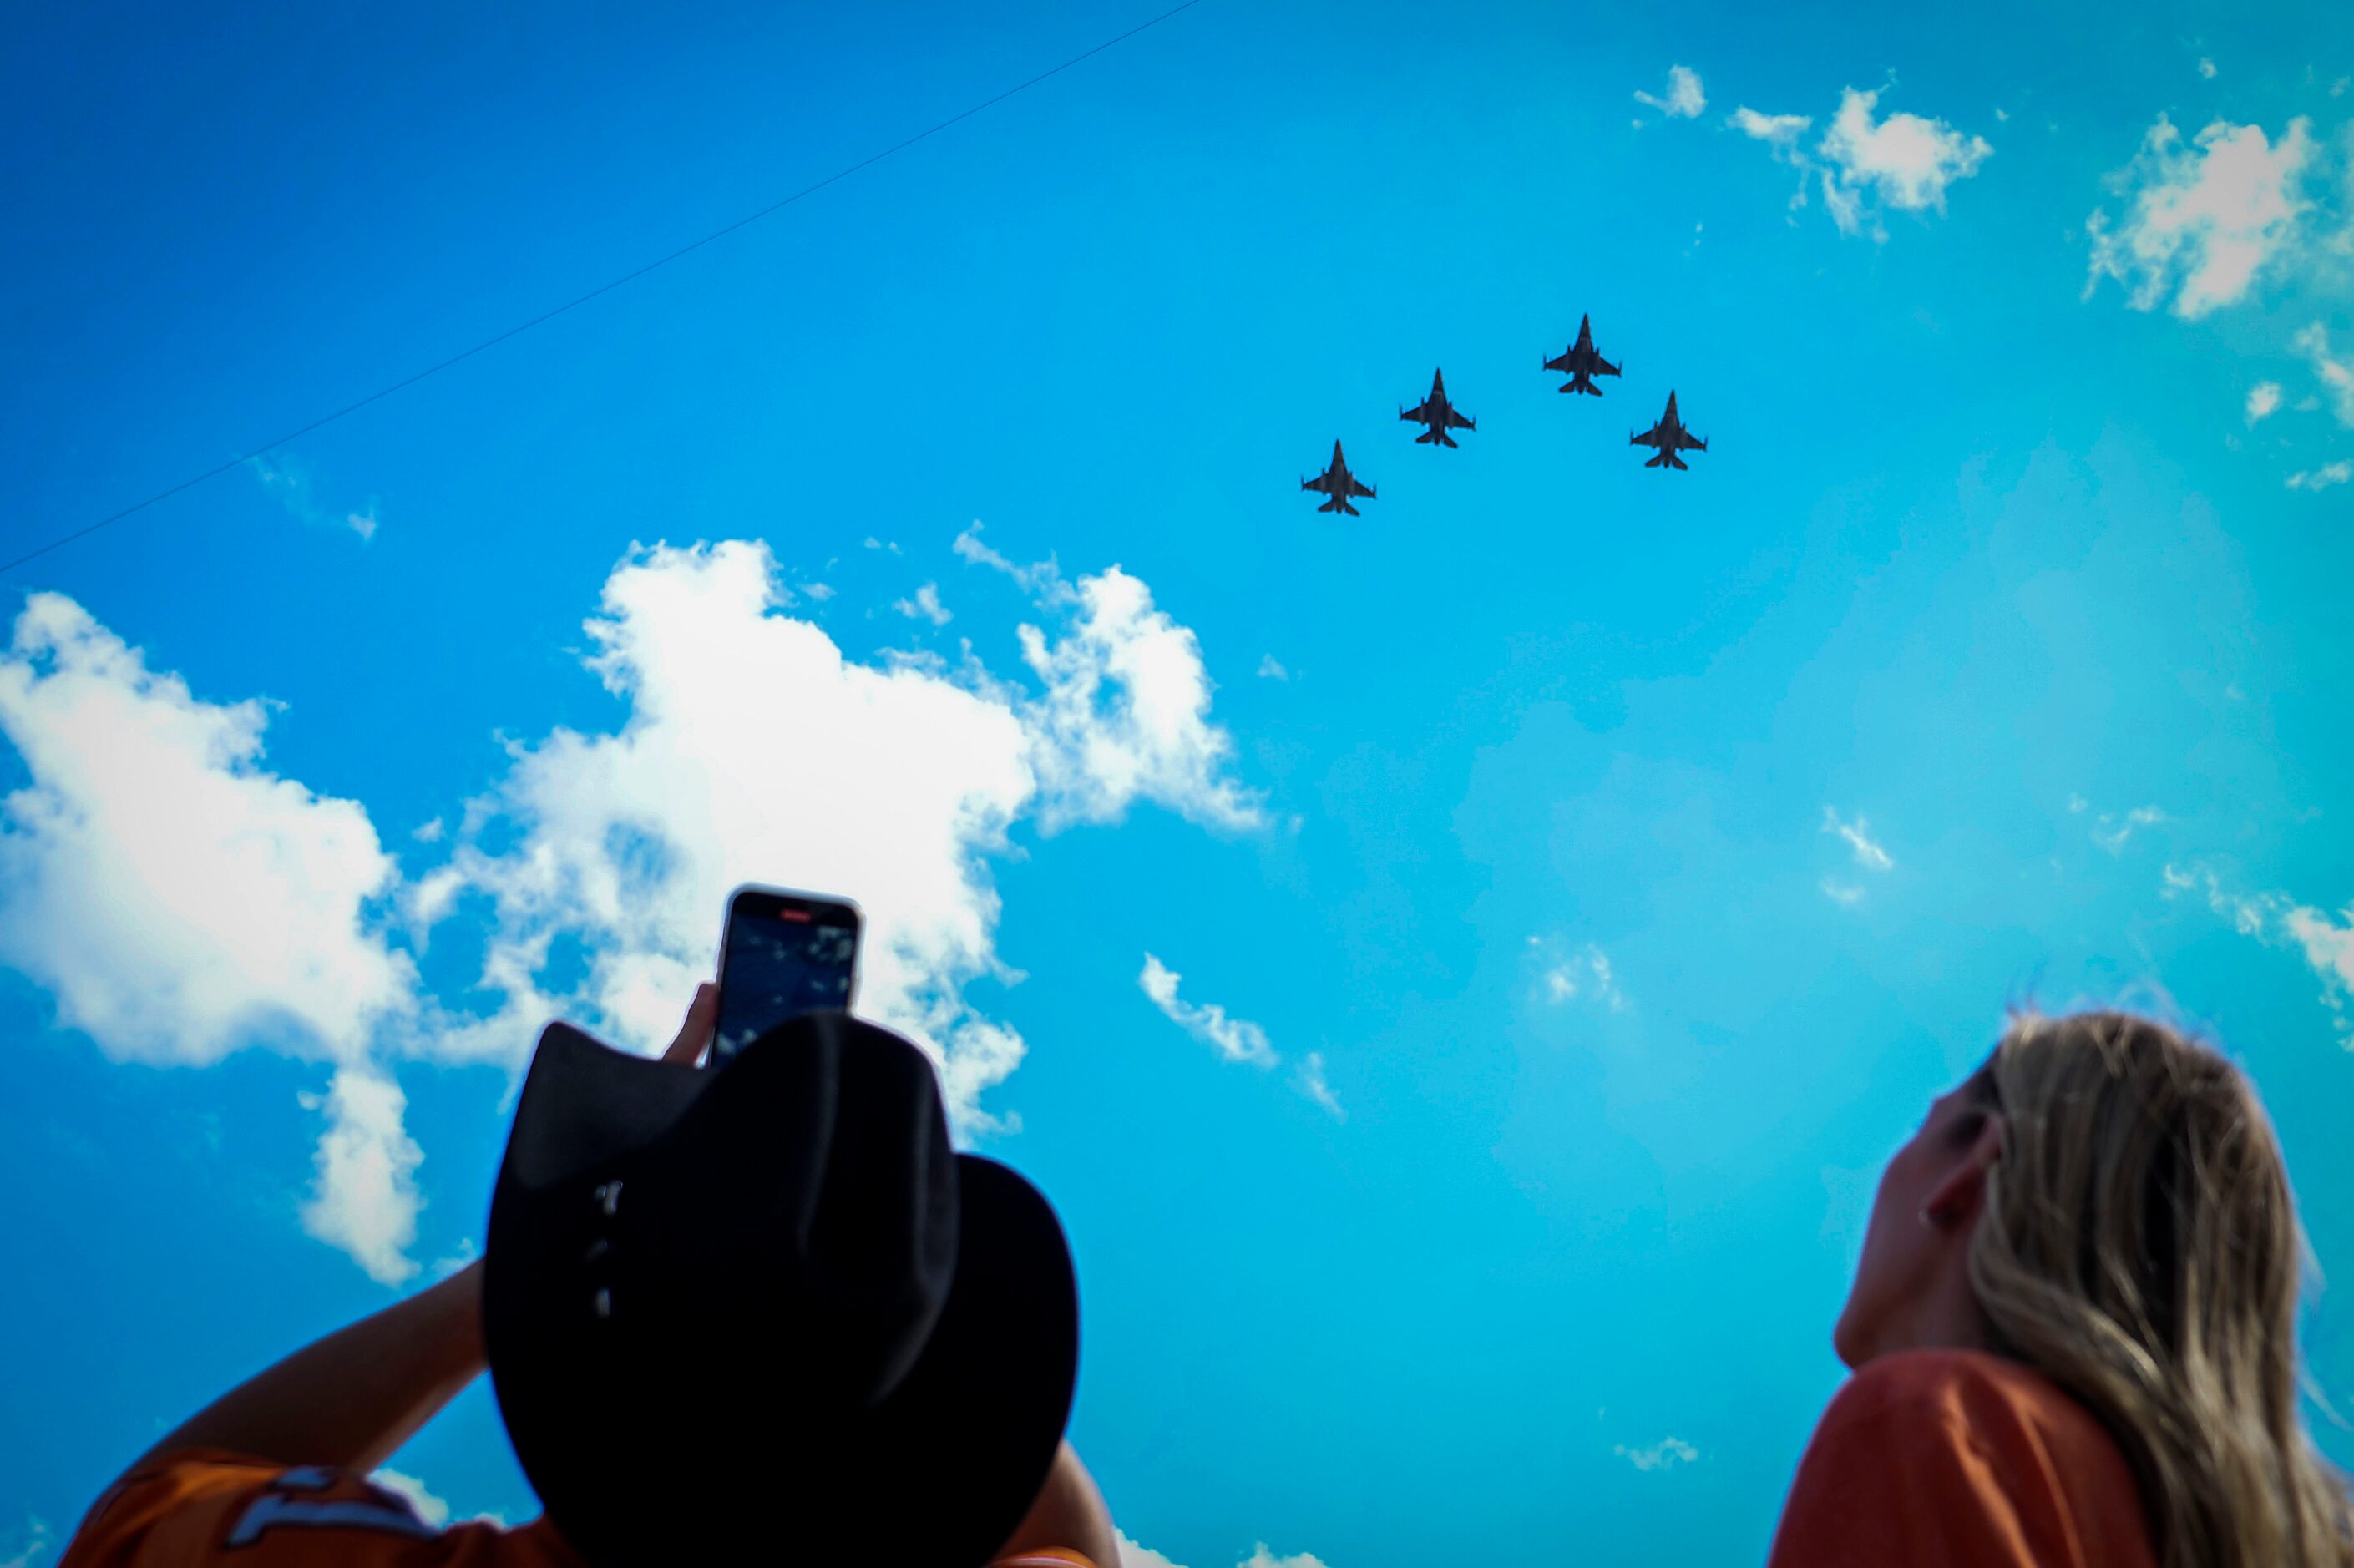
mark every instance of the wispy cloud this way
{"type": "Point", "coordinates": [1272, 670]}
{"type": "Point", "coordinates": [1664, 1455]}
{"type": "Point", "coordinates": [290, 481]}
{"type": "Point", "coordinates": [1684, 99]}
{"type": "Point", "coordinates": [2201, 219]}
{"type": "Point", "coordinates": [2112, 831]}
{"type": "Point", "coordinates": [1581, 973]}
{"type": "Point", "coordinates": [2322, 478]}
{"type": "Point", "coordinates": [1868, 852]}
{"type": "Point", "coordinates": [2336, 375]}
{"type": "Point", "coordinates": [2325, 940]}
{"type": "Point", "coordinates": [37, 1543]}
{"type": "Point", "coordinates": [1313, 1085]}
{"type": "Point", "coordinates": [1235, 1039]}
{"type": "Point", "coordinates": [925, 606]}
{"type": "Point", "coordinates": [2264, 401]}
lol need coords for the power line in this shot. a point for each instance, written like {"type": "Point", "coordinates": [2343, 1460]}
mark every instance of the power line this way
{"type": "Point", "coordinates": [489, 342]}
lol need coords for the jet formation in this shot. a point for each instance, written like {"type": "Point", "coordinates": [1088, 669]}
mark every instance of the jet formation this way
{"type": "Point", "coordinates": [1581, 362]}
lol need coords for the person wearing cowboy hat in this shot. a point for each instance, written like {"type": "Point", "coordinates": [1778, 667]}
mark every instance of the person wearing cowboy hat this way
{"type": "Point", "coordinates": [758, 1314]}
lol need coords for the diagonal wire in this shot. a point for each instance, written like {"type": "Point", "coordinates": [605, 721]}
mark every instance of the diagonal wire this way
{"type": "Point", "coordinates": [602, 289]}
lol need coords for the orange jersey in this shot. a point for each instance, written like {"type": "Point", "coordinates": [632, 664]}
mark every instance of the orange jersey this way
{"type": "Point", "coordinates": [202, 1508]}
{"type": "Point", "coordinates": [1954, 1459]}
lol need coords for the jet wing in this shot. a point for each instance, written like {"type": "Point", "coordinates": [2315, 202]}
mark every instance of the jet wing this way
{"type": "Point", "coordinates": [1561, 362]}
{"type": "Point", "coordinates": [1456, 421]}
{"type": "Point", "coordinates": [1419, 413]}
{"type": "Point", "coordinates": [1358, 486]}
{"type": "Point", "coordinates": [1694, 444]}
{"type": "Point", "coordinates": [1650, 438]}
{"type": "Point", "coordinates": [1604, 367]}
{"type": "Point", "coordinates": [1318, 483]}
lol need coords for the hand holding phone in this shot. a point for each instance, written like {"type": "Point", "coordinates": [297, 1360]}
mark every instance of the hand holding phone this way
{"type": "Point", "coordinates": [781, 955]}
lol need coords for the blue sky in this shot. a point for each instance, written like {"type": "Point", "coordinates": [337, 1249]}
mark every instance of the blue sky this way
{"type": "Point", "coordinates": [1575, 878]}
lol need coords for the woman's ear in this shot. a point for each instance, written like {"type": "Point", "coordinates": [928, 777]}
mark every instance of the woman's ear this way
{"type": "Point", "coordinates": [1955, 1199]}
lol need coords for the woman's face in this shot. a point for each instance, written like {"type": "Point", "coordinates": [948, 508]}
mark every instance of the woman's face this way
{"type": "Point", "coordinates": [1911, 1286]}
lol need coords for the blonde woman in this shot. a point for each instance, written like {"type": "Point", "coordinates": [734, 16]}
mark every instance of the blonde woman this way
{"type": "Point", "coordinates": [2073, 1328]}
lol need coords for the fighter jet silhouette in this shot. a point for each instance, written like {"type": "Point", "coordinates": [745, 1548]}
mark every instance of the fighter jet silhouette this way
{"type": "Point", "coordinates": [1439, 414]}
{"type": "Point", "coordinates": [1671, 436]}
{"type": "Point", "coordinates": [1339, 483]}
{"type": "Point", "coordinates": [1580, 363]}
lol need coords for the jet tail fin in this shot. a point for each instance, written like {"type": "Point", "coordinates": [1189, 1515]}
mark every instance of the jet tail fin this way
{"type": "Point", "coordinates": [1661, 460]}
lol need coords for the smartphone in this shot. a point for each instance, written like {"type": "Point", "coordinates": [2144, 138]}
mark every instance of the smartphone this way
{"type": "Point", "coordinates": [781, 954]}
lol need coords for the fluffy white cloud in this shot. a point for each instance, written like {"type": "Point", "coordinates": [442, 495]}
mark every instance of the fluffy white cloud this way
{"type": "Point", "coordinates": [181, 902]}
{"type": "Point", "coordinates": [2200, 219]}
{"type": "Point", "coordinates": [1861, 163]}
{"type": "Point", "coordinates": [1665, 1454]}
{"type": "Point", "coordinates": [1684, 98]}
{"type": "Point", "coordinates": [1125, 714]}
{"type": "Point", "coordinates": [2206, 69]}
{"type": "Point", "coordinates": [1235, 1039]}
{"type": "Point", "coordinates": [2336, 375]}
{"type": "Point", "coordinates": [1868, 852]}
{"type": "Point", "coordinates": [2264, 401]}
{"type": "Point", "coordinates": [1131, 1555]}
{"type": "Point", "coordinates": [2322, 478]}
{"type": "Point", "coordinates": [925, 606]}
{"type": "Point", "coordinates": [365, 1199]}
{"type": "Point", "coordinates": [176, 897]}
{"type": "Point", "coordinates": [1904, 160]}
{"type": "Point", "coordinates": [755, 751]}
{"type": "Point", "coordinates": [1270, 669]}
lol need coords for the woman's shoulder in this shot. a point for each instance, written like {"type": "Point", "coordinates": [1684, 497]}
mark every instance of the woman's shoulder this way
{"type": "Point", "coordinates": [1988, 1396]}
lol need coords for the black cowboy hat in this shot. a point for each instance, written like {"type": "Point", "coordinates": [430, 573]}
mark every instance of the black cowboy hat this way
{"type": "Point", "coordinates": [763, 1312]}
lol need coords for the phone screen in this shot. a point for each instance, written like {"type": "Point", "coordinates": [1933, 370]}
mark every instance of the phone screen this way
{"type": "Point", "coordinates": [782, 955]}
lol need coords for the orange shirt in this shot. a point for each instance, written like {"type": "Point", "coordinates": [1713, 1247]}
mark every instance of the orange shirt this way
{"type": "Point", "coordinates": [203, 1508]}
{"type": "Point", "coordinates": [1954, 1460]}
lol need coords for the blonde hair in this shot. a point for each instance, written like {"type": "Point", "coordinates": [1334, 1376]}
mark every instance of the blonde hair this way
{"type": "Point", "coordinates": [2141, 1249]}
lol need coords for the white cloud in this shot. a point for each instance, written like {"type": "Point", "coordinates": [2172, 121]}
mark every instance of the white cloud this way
{"type": "Point", "coordinates": [180, 902]}
{"type": "Point", "coordinates": [1684, 97]}
{"type": "Point", "coordinates": [1313, 1085]}
{"type": "Point", "coordinates": [1847, 895]}
{"type": "Point", "coordinates": [629, 841]}
{"type": "Point", "coordinates": [2112, 831]}
{"type": "Point", "coordinates": [177, 898]}
{"type": "Point", "coordinates": [1780, 131]}
{"type": "Point", "coordinates": [1859, 165]}
{"type": "Point", "coordinates": [1235, 1039]}
{"type": "Point", "coordinates": [2201, 220]}
{"type": "Point", "coordinates": [2337, 375]}
{"type": "Point", "coordinates": [1042, 580]}
{"type": "Point", "coordinates": [1867, 853]}
{"type": "Point", "coordinates": [925, 606]}
{"type": "Point", "coordinates": [428, 1507]}
{"type": "Point", "coordinates": [365, 1199]}
{"type": "Point", "coordinates": [1904, 160]}
{"type": "Point", "coordinates": [1125, 714]}
{"type": "Point", "coordinates": [36, 1541]}
{"type": "Point", "coordinates": [1664, 1455]}
{"type": "Point", "coordinates": [2206, 69]}
{"type": "Point", "coordinates": [1261, 1557]}
{"type": "Point", "coordinates": [1131, 1555]}
{"type": "Point", "coordinates": [1269, 669]}
{"type": "Point", "coordinates": [2325, 476]}
{"type": "Point", "coordinates": [818, 592]}
{"type": "Point", "coordinates": [290, 481]}
{"type": "Point", "coordinates": [1564, 977]}
{"type": "Point", "coordinates": [2264, 401]}
{"type": "Point", "coordinates": [2326, 941]}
